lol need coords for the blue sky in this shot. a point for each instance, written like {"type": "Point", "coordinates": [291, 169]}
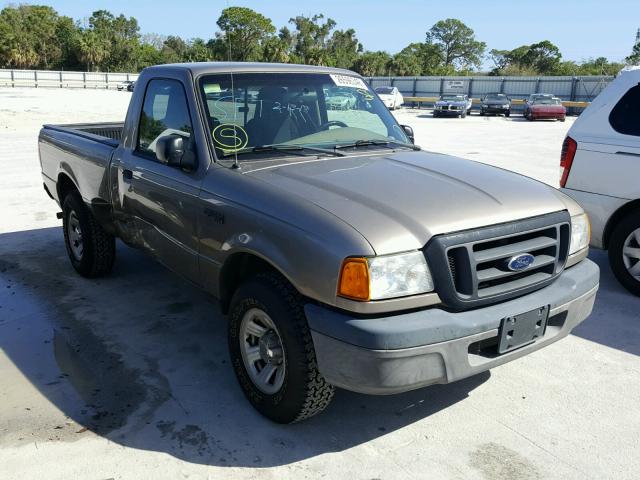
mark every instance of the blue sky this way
{"type": "Point", "coordinates": [581, 28]}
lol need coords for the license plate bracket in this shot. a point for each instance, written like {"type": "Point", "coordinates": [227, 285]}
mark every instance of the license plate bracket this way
{"type": "Point", "coordinates": [519, 330]}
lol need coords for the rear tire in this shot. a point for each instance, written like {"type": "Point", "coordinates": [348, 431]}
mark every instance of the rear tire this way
{"type": "Point", "coordinates": [626, 237]}
{"type": "Point", "coordinates": [301, 391]}
{"type": "Point", "coordinates": [91, 249]}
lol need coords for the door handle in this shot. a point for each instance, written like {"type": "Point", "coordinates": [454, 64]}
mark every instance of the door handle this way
{"type": "Point", "coordinates": [127, 175]}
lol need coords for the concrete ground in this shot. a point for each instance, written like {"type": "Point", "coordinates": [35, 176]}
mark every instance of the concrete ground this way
{"type": "Point", "coordinates": [127, 377]}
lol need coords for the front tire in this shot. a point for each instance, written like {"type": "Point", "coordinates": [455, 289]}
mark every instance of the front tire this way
{"type": "Point", "coordinates": [624, 252]}
{"type": "Point", "coordinates": [272, 351]}
{"type": "Point", "coordinates": [91, 249]}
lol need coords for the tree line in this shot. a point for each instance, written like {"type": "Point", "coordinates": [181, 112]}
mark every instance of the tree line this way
{"type": "Point", "coordinates": [37, 37]}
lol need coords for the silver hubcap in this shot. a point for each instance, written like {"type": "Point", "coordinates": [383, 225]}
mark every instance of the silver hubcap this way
{"type": "Point", "coordinates": [262, 351]}
{"type": "Point", "coordinates": [75, 235]}
{"type": "Point", "coordinates": [631, 254]}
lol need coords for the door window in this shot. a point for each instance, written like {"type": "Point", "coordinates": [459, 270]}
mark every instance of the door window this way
{"type": "Point", "coordinates": [625, 116]}
{"type": "Point", "coordinates": [164, 113]}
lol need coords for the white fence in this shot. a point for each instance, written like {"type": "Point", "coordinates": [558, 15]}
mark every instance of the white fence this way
{"type": "Point", "coordinates": [52, 79]}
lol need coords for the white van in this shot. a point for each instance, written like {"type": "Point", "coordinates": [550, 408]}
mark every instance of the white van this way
{"type": "Point", "coordinates": [600, 168]}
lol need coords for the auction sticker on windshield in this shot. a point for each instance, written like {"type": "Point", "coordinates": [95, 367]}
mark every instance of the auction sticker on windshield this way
{"type": "Point", "coordinates": [348, 81]}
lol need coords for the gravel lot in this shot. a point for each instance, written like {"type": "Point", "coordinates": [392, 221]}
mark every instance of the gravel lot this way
{"type": "Point", "coordinates": [127, 376]}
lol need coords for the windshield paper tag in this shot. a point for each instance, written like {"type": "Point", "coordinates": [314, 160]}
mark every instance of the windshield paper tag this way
{"type": "Point", "coordinates": [348, 81]}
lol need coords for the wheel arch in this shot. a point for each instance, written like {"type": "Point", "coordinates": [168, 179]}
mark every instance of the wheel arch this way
{"type": "Point", "coordinates": [64, 185]}
{"type": "Point", "coordinates": [617, 216]}
{"type": "Point", "coordinates": [237, 268]}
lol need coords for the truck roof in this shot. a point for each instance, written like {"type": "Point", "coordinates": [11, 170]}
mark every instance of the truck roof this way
{"type": "Point", "coordinates": [199, 68]}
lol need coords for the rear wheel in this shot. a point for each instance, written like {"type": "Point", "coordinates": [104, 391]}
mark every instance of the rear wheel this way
{"type": "Point", "coordinates": [624, 252]}
{"type": "Point", "coordinates": [272, 351]}
{"type": "Point", "coordinates": [91, 249]}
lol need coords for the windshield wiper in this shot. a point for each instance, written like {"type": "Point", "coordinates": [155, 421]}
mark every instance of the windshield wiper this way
{"type": "Point", "coordinates": [384, 143]}
{"type": "Point", "coordinates": [295, 149]}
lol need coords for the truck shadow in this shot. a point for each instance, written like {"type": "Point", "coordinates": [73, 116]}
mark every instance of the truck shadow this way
{"type": "Point", "coordinates": [140, 358]}
{"type": "Point", "coordinates": [615, 320]}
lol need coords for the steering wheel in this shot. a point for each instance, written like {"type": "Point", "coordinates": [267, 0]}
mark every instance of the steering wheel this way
{"type": "Point", "coordinates": [332, 123]}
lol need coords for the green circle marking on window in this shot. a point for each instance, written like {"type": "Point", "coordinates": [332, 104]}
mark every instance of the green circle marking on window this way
{"type": "Point", "coordinates": [230, 137]}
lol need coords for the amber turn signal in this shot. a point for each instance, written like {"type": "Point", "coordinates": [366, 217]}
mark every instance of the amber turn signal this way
{"type": "Point", "coordinates": [354, 279]}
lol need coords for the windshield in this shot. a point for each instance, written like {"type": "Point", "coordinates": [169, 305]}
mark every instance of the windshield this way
{"type": "Point", "coordinates": [452, 98]}
{"type": "Point", "coordinates": [497, 96]}
{"type": "Point", "coordinates": [294, 109]}
{"type": "Point", "coordinates": [384, 90]}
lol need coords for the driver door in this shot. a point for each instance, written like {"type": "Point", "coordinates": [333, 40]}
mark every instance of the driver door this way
{"type": "Point", "coordinates": [158, 202]}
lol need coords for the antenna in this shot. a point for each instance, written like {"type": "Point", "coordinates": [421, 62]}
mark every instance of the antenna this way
{"type": "Point", "coordinates": [233, 101]}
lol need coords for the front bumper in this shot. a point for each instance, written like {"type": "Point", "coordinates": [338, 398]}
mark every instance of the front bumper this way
{"type": "Point", "coordinates": [397, 353]}
{"type": "Point", "coordinates": [494, 109]}
{"type": "Point", "coordinates": [548, 115]}
{"type": "Point", "coordinates": [452, 112]}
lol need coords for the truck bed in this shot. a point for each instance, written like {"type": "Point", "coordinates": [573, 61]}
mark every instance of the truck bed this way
{"type": "Point", "coordinates": [109, 133]}
{"type": "Point", "coordinates": [82, 153]}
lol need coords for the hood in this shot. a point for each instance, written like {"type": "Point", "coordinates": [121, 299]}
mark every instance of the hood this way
{"type": "Point", "coordinates": [400, 200]}
{"type": "Point", "coordinates": [547, 108]}
{"type": "Point", "coordinates": [451, 102]}
{"type": "Point", "coordinates": [386, 96]}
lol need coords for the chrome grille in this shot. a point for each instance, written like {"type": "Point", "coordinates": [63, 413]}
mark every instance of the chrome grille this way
{"type": "Point", "coordinates": [475, 262]}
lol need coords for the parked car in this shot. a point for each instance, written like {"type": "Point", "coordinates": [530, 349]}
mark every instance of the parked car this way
{"type": "Point", "coordinates": [496, 103]}
{"type": "Point", "coordinates": [322, 233]}
{"type": "Point", "coordinates": [390, 96]}
{"type": "Point", "coordinates": [531, 98]}
{"type": "Point", "coordinates": [545, 108]}
{"type": "Point", "coordinates": [456, 105]}
{"type": "Point", "coordinates": [600, 169]}
{"type": "Point", "coordinates": [340, 98]}
{"type": "Point", "coordinates": [124, 85]}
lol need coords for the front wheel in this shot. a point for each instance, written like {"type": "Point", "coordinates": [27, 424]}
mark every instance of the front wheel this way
{"type": "Point", "coordinates": [507, 113]}
{"type": "Point", "coordinates": [272, 351]}
{"type": "Point", "coordinates": [624, 252]}
{"type": "Point", "coordinates": [91, 249]}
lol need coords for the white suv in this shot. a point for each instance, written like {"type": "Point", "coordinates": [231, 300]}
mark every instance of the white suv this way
{"type": "Point", "coordinates": [600, 164]}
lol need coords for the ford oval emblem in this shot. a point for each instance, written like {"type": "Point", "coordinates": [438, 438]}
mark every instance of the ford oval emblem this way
{"type": "Point", "coordinates": [520, 262]}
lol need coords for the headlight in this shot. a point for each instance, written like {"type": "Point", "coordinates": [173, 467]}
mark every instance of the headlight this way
{"type": "Point", "coordinates": [580, 233]}
{"type": "Point", "coordinates": [384, 277]}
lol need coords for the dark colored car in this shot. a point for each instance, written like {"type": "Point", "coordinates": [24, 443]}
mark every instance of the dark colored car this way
{"type": "Point", "coordinates": [545, 108]}
{"type": "Point", "coordinates": [496, 103]}
{"type": "Point", "coordinates": [131, 86]}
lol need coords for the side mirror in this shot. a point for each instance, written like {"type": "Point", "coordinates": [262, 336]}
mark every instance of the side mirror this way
{"type": "Point", "coordinates": [171, 150]}
{"type": "Point", "coordinates": [409, 133]}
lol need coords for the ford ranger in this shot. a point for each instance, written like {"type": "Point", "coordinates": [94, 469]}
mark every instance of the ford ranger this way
{"type": "Point", "coordinates": [343, 254]}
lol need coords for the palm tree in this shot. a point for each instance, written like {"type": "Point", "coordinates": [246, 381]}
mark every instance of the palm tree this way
{"type": "Point", "coordinates": [93, 50]}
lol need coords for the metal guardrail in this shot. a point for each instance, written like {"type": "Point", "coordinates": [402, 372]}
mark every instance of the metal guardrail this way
{"type": "Point", "coordinates": [476, 101]}
{"type": "Point", "coordinates": [575, 91]}
{"type": "Point", "coordinates": [63, 79]}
